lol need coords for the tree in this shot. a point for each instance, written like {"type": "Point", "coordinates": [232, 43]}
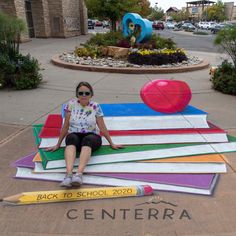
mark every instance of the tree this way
{"type": "Point", "coordinates": [215, 12]}
{"type": "Point", "coordinates": [180, 15]}
{"type": "Point", "coordinates": [157, 13]}
{"type": "Point", "coordinates": [145, 8]}
{"type": "Point", "coordinates": [226, 39]}
{"type": "Point", "coordinates": [114, 10]}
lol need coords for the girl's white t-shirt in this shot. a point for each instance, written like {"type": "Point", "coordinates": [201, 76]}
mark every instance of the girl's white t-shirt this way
{"type": "Point", "coordinates": [83, 118]}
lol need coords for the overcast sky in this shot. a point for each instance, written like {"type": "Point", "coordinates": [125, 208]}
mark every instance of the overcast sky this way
{"type": "Point", "coordinates": [165, 4]}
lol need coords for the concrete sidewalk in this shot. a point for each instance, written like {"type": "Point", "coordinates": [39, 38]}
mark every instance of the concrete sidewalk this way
{"type": "Point", "coordinates": [20, 109]}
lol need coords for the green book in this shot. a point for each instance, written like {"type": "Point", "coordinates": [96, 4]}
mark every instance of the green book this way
{"type": "Point", "coordinates": [105, 154]}
{"type": "Point", "coordinates": [104, 150]}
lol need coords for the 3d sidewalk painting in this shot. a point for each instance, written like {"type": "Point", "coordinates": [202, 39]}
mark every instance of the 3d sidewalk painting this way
{"type": "Point", "coordinates": [176, 149]}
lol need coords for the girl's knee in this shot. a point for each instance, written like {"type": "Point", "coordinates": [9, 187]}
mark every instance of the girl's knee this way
{"type": "Point", "coordinates": [93, 141]}
{"type": "Point", "coordinates": [72, 139]}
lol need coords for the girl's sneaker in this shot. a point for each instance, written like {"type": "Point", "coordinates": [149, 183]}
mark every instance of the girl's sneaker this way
{"type": "Point", "coordinates": [77, 180]}
{"type": "Point", "coordinates": [66, 181]}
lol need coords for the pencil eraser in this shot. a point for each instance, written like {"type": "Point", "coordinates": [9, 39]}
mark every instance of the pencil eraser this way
{"type": "Point", "coordinates": [148, 190]}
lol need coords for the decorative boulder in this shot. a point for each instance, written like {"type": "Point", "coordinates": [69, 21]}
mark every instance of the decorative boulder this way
{"type": "Point", "coordinates": [166, 96]}
{"type": "Point", "coordinates": [117, 52]}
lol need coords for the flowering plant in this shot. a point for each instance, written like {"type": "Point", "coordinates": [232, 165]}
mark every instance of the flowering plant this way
{"type": "Point", "coordinates": [165, 51]}
{"type": "Point", "coordinates": [157, 57]}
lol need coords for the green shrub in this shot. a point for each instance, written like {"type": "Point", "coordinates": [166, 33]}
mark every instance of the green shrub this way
{"type": "Point", "coordinates": [188, 30]}
{"type": "Point", "coordinates": [224, 79]}
{"type": "Point", "coordinates": [107, 39]}
{"type": "Point", "coordinates": [117, 39]}
{"type": "Point", "coordinates": [93, 51]}
{"type": "Point", "coordinates": [159, 42]}
{"type": "Point", "coordinates": [7, 68]}
{"type": "Point", "coordinates": [7, 65]}
{"type": "Point", "coordinates": [200, 33]}
{"type": "Point", "coordinates": [19, 72]}
{"type": "Point", "coordinates": [81, 52]}
{"type": "Point", "coordinates": [27, 73]}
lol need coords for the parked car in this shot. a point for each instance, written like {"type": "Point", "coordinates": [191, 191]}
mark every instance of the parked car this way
{"type": "Point", "coordinates": [203, 25]}
{"type": "Point", "coordinates": [90, 24]}
{"type": "Point", "coordinates": [188, 26]}
{"type": "Point", "coordinates": [159, 25]}
{"type": "Point", "coordinates": [105, 24]}
{"type": "Point", "coordinates": [178, 25]}
{"type": "Point", "coordinates": [98, 23]}
{"type": "Point", "coordinates": [194, 23]}
{"type": "Point", "coordinates": [170, 25]}
{"type": "Point", "coordinates": [212, 25]}
{"type": "Point", "coordinates": [206, 25]}
{"type": "Point", "coordinates": [217, 28]}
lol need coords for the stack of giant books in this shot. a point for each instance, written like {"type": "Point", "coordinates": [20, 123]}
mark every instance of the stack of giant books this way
{"type": "Point", "coordinates": [172, 152]}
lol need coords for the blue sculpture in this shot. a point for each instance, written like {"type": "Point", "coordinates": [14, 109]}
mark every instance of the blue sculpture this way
{"type": "Point", "coordinates": [137, 27]}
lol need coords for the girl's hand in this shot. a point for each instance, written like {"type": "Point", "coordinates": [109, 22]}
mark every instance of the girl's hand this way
{"type": "Point", "coordinates": [116, 146]}
{"type": "Point", "coordinates": [52, 149]}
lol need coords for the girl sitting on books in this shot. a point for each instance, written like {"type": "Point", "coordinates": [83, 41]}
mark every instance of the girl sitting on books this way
{"type": "Point", "coordinates": [83, 120]}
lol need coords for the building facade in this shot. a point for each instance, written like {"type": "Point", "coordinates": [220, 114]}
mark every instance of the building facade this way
{"type": "Point", "coordinates": [49, 18]}
{"type": "Point", "coordinates": [230, 10]}
{"type": "Point", "coordinates": [171, 10]}
{"type": "Point", "coordinates": [196, 9]}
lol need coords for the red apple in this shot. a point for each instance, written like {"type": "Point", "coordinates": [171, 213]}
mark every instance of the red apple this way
{"type": "Point", "coordinates": [166, 96]}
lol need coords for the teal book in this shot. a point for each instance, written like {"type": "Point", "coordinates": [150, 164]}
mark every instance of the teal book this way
{"type": "Point", "coordinates": [106, 155]}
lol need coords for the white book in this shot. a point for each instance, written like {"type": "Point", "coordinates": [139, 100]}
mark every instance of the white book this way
{"type": "Point", "coordinates": [26, 173]}
{"type": "Point", "coordinates": [151, 139]}
{"type": "Point", "coordinates": [136, 167]}
{"type": "Point", "coordinates": [151, 154]}
{"type": "Point", "coordinates": [156, 122]}
{"type": "Point", "coordinates": [138, 116]}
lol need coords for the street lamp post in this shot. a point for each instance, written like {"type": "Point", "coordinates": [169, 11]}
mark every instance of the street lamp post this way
{"type": "Point", "coordinates": [156, 5]}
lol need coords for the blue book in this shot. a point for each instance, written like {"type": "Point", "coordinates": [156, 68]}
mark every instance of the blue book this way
{"type": "Point", "coordinates": [138, 116]}
{"type": "Point", "coordinates": [141, 109]}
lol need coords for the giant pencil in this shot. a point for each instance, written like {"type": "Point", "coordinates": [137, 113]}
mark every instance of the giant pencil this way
{"type": "Point", "coordinates": [77, 194]}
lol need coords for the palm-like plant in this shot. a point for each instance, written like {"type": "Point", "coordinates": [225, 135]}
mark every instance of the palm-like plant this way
{"type": "Point", "coordinates": [10, 31]}
{"type": "Point", "coordinates": [226, 39]}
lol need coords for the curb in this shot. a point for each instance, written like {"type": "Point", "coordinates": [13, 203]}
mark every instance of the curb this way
{"type": "Point", "coordinates": [56, 61]}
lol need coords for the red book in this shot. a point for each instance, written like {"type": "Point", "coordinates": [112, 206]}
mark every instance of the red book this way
{"type": "Point", "coordinates": [53, 121]}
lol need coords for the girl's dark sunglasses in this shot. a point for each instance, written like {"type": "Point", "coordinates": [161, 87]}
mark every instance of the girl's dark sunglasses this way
{"type": "Point", "coordinates": [84, 93]}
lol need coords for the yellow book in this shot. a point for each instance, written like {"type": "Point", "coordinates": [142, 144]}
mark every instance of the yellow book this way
{"type": "Point", "coordinates": [216, 158]}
